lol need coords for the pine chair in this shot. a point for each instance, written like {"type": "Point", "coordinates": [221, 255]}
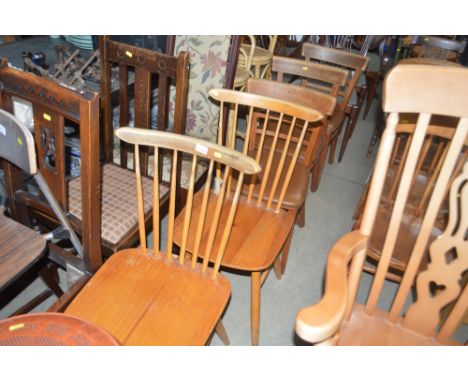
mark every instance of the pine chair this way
{"type": "Point", "coordinates": [352, 95]}
{"type": "Point", "coordinates": [146, 296]}
{"type": "Point", "coordinates": [325, 79]}
{"type": "Point", "coordinates": [337, 319]}
{"type": "Point", "coordinates": [262, 228]}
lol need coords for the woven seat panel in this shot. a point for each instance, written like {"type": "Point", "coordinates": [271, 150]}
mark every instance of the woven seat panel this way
{"type": "Point", "coordinates": [118, 201]}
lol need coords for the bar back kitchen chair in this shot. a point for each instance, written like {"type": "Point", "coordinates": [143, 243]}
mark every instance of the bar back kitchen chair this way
{"type": "Point", "coordinates": [411, 319]}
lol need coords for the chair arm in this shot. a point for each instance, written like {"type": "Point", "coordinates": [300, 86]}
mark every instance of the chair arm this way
{"type": "Point", "coordinates": [317, 323]}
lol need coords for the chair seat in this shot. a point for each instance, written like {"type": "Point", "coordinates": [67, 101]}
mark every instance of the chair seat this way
{"type": "Point", "coordinates": [20, 248]}
{"type": "Point", "coordinates": [147, 300]}
{"type": "Point", "coordinates": [118, 201]}
{"type": "Point", "coordinates": [261, 56]}
{"type": "Point", "coordinates": [256, 238]}
{"type": "Point", "coordinates": [376, 330]}
{"type": "Point", "coordinates": [336, 120]}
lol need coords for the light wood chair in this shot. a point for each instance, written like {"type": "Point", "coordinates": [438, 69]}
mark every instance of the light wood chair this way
{"type": "Point", "coordinates": [325, 79]}
{"type": "Point", "coordinates": [352, 95]}
{"type": "Point", "coordinates": [244, 63]}
{"type": "Point", "coordinates": [433, 153]}
{"type": "Point", "coordinates": [146, 296]}
{"type": "Point", "coordinates": [262, 228]}
{"type": "Point", "coordinates": [261, 58]}
{"type": "Point", "coordinates": [337, 318]}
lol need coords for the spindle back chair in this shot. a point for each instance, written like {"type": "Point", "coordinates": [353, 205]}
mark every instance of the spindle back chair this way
{"type": "Point", "coordinates": [337, 318]}
{"type": "Point", "coordinates": [263, 226]}
{"type": "Point", "coordinates": [140, 285]}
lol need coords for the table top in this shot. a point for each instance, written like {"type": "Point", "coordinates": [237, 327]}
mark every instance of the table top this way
{"type": "Point", "coordinates": [52, 329]}
{"type": "Point", "coordinates": [20, 248]}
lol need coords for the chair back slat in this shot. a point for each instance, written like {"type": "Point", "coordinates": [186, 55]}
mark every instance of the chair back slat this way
{"type": "Point", "coordinates": [140, 206]}
{"type": "Point", "coordinates": [156, 242]}
{"type": "Point", "coordinates": [172, 206]}
{"type": "Point", "coordinates": [123, 95]}
{"type": "Point", "coordinates": [194, 231]}
{"type": "Point", "coordinates": [440, 300]}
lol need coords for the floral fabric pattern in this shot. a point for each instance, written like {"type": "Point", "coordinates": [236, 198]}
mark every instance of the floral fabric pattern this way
{"type": "Point", "coordinates": [208, 62]}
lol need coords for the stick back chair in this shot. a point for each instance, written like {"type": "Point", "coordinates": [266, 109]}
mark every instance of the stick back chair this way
{"type": "Point", "coordinates": [325, 79]}
{"type": "Point", "coordinates": [263, 228]}
{"type": "Point", "coordinates": [415, 320]}
{"type": "Point", "coordinates": [146, 296]}
{"type": "Point", "coordinates": [356, 65]}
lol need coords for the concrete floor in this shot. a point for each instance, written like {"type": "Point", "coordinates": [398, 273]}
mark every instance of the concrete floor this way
{"type": "Point", "coordinates": [329, 214]}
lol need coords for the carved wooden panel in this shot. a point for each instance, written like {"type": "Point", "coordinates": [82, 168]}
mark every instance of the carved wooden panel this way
{"type": "Point", "coordinates": [441, 283]}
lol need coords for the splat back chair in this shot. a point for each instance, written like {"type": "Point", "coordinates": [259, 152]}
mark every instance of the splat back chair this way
{"type": "Point", "coordinates": [146, 77]}
{"type": "Point", "coordinates": [438, 48]}
{"type": "Point", "coordinates": [325, 79]}
{"type": "Point", "coordinates": [350, 103]}
{"type": "Point", "coordinates": [436, 145]}
{"type": "Point", "coordinates": [313, 140]}
{"type": "Point", "coordinates": [52, 105]}
{"type": "Point", "coordinates": [146, 296]}
{"type": "Point", "coordinates": [337, 318]}
{"type": "Point", "coordinates": [263, 227]}
{"type": "Point", "coordinates": [22, 247]}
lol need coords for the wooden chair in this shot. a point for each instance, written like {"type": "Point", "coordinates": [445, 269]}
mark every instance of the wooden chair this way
{"type": "Point", "coordinates": [337, 319]}
{"type": "Point", "coordinates": [262, 228]}
{"type": "Point", "coordinates": [312, 145]}
{"type": "Point", "coordinates": [261, 58]}
{"type": "Point", "coordinates": [325, 79]}
{"type": "Point", "coordinates": [438, 48]}
{"type": "Point", "coordinates": [144, 80]}
{"type": "Point", "coordinates": [53, 106]}
{"type": "Point", "coordinates": [356, 64]}
{"type": "Point", "coordinates": [148, 296]}
{"type": "Point", "coordinates": [433, 153]}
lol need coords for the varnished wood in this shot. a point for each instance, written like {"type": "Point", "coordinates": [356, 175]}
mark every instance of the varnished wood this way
{"type": "Point", "coordinates": [417, 321]}
{"type": "Point", "coordinates": [151, 292]}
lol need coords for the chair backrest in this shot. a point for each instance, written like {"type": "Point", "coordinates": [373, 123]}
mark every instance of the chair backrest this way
{"type": "Point", "coordinates": [425, 90]}
{"type": "Point", "coordinates": [300, 95]}
{"type": "Point", "coordinates": [139, 72]}
{"type": "Point", "coordinates": [17, 143]}
{"type": "Point", "coordinates": [246, 53]}
{"type": "Point", "coordinates": [437, 47]}
{"type": "Point", "coordinates": [276, 175]}
{"type": "Point", "coordinates": [355, 63]}
{"type": "Point", "coordinates": [53, 107]}
{"type": "Point", "coordinates": [324, 78]}
{"type": "Point", "coordinates": [198, 150]}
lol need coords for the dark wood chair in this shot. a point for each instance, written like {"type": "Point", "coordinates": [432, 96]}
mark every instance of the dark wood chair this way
{"type": "Point", "coordinates": [262, 228]}
{"type": "Point", "coordinates": [438, 48]}
{"type": "Point", "coordinates": [146, 296]}
{"type": "Point", "coordinates": [313, 141]}
{"type": "Point", "coordinates": [411, 319]}
{"type": "Point", "coordinates": [322, 78]}
{"type": "Point", "coordinates": [356, 65]}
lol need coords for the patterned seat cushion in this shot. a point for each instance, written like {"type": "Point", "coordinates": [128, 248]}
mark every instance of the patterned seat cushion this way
{"type": "Point", "coordinates": [118, 201]}
{"type": "Point", "coordinates": [186, 168]}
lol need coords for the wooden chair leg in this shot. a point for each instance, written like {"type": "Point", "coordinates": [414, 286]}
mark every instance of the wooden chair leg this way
{"type": "Point", "coordinates": [255, 307]}
{"type": "Point", "coordinates": [221, 332]}
{"type": "Point", "coordinates": [300, 217]}
{"type": "Point", "coordinates": [331, 153]}
{"type": "Point", "coordinates": [285, 252]}
{"type": "Point", "coordinates": [277, 268]}
{"type": "Point", "coordinates": [371, 89]}
{"type": "Point", "coordinates": [318, 168]}
{"type": "Point", "coordinates": [348, 131]}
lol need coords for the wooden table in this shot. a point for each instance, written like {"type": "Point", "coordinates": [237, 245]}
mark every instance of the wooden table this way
{"type": "Point", "coordinates": [52, 329]}
{"type": "Point", "coordinates": [20, 248]}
